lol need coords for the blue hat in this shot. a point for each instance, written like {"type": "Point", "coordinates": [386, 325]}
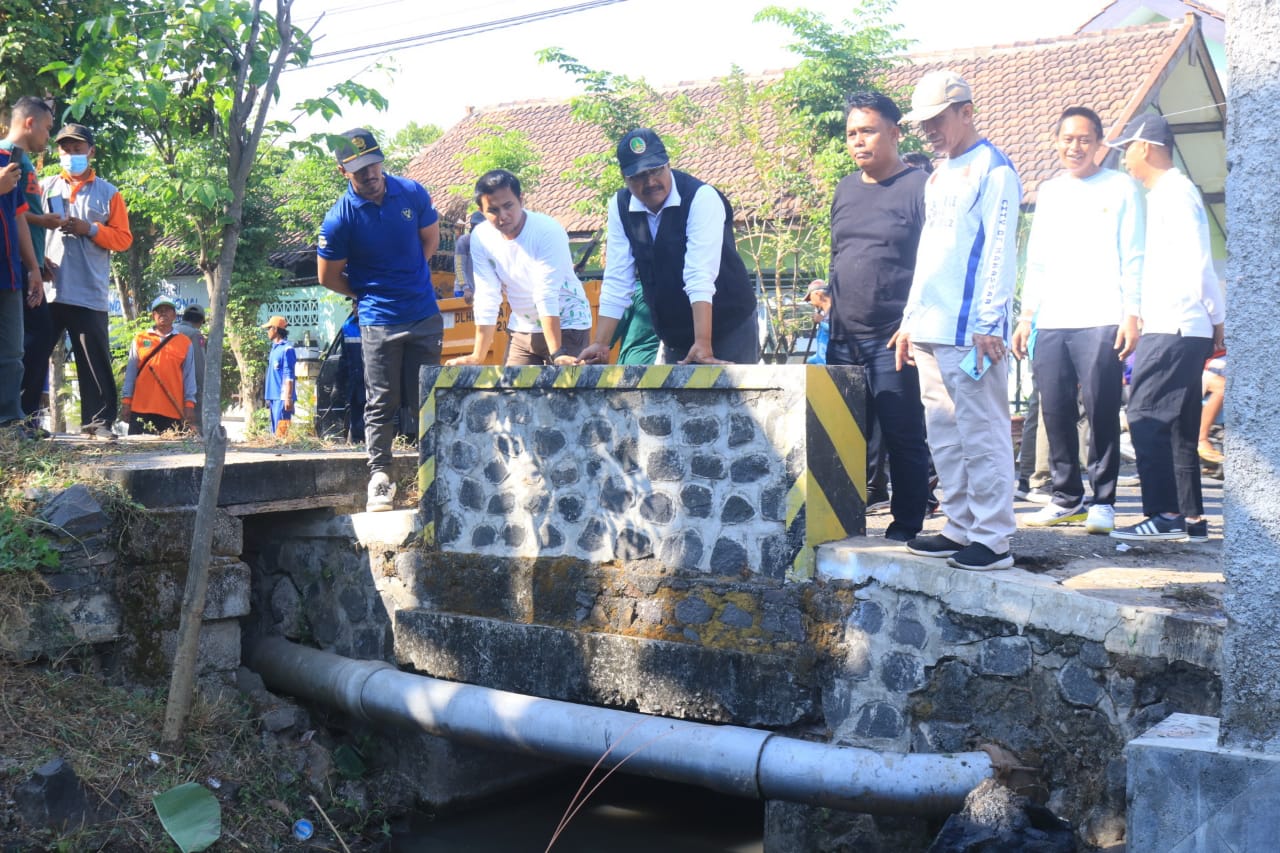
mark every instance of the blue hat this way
{"type": "Point", "coordinates": [162, 300]}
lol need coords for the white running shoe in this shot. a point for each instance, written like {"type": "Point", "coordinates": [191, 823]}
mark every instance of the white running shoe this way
{"type": "Point", "coordinates": [1102, 519]}
{"type": "Point", "coordinates": [382, 492]}
{"type": "Point", "coordinates": [1051, 514]}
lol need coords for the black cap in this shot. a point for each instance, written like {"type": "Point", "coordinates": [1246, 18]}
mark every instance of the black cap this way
{"type": "Point", "coordinates": [1146, 128]}
{"type": "Point", "coordinates": [359, 150]}
{"type": "Point", "coordinates": [75, 131]}
{"type": "Point", "coordinates": [641, 150]}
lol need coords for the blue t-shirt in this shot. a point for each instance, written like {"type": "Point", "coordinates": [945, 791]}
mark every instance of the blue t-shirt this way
{"type": "Point", "coordinates": [383, 250]}
{"type": "Point", "coordinates": [280, 366]}
{"type": "Point", "coordinates": [11, 204]}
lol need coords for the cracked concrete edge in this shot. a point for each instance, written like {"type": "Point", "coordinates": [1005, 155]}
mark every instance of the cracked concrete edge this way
{"type": "Point", "coordinates": [1028, 600]}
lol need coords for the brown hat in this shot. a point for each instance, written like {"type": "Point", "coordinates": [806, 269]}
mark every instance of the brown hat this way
{"type": "Point", "coordinates": [276, 322]}
{"type": "Point", "coordinates": [816, 286]}
{"type": "Point", "coordinates": [75, 131]}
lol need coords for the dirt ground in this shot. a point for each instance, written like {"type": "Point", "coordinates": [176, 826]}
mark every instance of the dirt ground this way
{"type": "Point", "coordinates": [1179, 575]}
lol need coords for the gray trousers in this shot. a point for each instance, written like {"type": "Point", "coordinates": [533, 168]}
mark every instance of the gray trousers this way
{"type": "Point", "coordinates": [392, 358]}
{"type": "Point", "coordinates": [739, 344]}
{"type": "Point", "coordinates": [11, 351]}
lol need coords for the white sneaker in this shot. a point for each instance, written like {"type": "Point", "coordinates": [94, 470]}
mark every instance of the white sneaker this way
{"type": "Point", "coordinates": [381, 493]}
{"type": "Point", "coordinates": [1051, 514]}
{"type": "Point", "coordinates": [1102, 519]}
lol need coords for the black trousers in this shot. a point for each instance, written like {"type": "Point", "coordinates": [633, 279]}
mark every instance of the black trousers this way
{"type": "Point", "coordinates": [1164, 421]}
{"type": "Point", "coordinates": [1072, 365]}
{"type": "Point", "coordinates": [37, 343]}
{"type": "Point", "coordinates": [91, 346]}
{"type": "Point", "coordinates": [894, 403]}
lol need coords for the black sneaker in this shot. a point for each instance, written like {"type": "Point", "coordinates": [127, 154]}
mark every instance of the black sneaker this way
{"type": "Point", "coordinates": [1198, 531]}
{"type": "Point", "coordinates": [977, 557]}
{"type": "Point", "coordinates": [936, 545]}
{"type": "Point", "coordinates": [1157, 528]}
{"type": "Point", "coordinates": [894, 533]}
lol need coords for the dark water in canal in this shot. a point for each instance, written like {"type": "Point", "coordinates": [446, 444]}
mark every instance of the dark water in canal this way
{"type": "Point", "coordinates": [626, 815]}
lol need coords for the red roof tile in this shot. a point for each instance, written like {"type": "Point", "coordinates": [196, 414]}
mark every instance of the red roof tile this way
{"type": "Point", "coordinates": [1019, 91]}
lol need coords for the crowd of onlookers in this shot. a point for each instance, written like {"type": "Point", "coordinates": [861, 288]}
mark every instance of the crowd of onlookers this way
{"type": "Point", "coordinates": [1119, 289]}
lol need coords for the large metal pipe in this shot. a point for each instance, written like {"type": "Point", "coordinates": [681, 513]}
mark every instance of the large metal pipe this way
{"type": "Point", "coordinates": [730, 759]}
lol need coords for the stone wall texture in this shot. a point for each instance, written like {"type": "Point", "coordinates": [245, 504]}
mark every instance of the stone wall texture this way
{"type": "Point", "coordinates": [696, 477]}
{"type": "Point", "coordinates": [704, 468]}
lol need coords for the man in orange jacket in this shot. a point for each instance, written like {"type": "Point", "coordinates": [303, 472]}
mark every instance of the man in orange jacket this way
{"type": "Point", "coordinates": [160, 377]}
{"type": "Point", "coordinates": [95, 224]}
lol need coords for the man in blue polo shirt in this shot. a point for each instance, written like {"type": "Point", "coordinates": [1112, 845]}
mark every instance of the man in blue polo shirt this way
{"type": "Point", "coordinates": [375, 246]}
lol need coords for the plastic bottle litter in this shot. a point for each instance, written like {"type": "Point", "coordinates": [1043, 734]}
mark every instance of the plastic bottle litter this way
{"type": "Point", "coordinates": [302, 829]}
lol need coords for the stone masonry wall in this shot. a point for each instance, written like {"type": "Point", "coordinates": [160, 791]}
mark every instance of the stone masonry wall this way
{"type": "Point", "coordinates": [117, 591]}
{"type": "Point", "coordinates": [931, 659]}
{"type": "Point", "coordinates": [701, 468]}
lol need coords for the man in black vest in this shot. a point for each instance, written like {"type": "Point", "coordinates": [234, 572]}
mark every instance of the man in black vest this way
{"type": "Point", "coordinates": [674, 235]}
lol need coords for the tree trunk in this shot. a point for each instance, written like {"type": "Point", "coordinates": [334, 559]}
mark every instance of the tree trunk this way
{"type": "Point", "coordinates": [250, 389]}
{"type": "Point", "coordinates": [57, 399]}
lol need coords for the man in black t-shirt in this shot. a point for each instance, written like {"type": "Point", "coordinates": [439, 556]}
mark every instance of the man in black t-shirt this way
{"type": "Point", "coordinates": [876, 219]}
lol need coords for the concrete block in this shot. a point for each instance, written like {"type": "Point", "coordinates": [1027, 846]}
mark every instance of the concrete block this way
{"type": "Point", "coordinates": [1031, 601]}
{"type": "Point", "coordinates": [1186, 793]}
{"type": "Point", "coordinates": [651, 676]}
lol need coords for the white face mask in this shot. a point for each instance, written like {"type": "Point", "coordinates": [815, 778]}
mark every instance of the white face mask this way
{"type": "Point", "coordinates": [75, 164]}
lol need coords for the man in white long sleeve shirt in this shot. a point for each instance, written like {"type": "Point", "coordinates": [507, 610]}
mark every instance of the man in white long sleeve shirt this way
{"type": "Point", "coordinates": [525, 256]}
{"type": "Point", "coordinates": [673, 235]}
{"type": "Point", "coordinates": [1084, 267]}
{"type": "Point", "coordinates": [958, 309]}
{"type": "Point", "coordinates": [1182, 308]}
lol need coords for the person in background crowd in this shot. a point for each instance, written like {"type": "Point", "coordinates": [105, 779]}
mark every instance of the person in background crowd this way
{"type": "Point", "coordinates": [30, 124]}
{"type": "Point", "coordinates": [160, 376]}
{"type": "Point", "coordinates": [19, 275]}
{"type": "Point", "coordinates": [464, 283]}
{"type": "Point", "coordinates": [1182, 309]}
{"type": "Point", "coordinates": [190, 324]}
{"type": "Point", "coordinates": [79, 256]}
{"type": "Point", "coordinates": [280, 393]}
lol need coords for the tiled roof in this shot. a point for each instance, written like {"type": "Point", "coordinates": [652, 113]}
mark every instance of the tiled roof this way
{"type": "Point", "coordinates": [1019, 91]}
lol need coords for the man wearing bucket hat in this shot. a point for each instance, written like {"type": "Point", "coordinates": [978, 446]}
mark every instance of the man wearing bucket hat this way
{"type": "Point", "coordinates": [955, 327]}
{"type": "Point", "coordinates": [159, 392]}
{"type": "Point", "coordinates": [78, 252]}
{"type": "Point", "coordinates": [1182, 309]}
{"type": "Point", "coordinates": [674, 235]}
{"type": "Point", "coordinates": [280, 392]}
{"type": "Point", "coordinates": [375, 246]}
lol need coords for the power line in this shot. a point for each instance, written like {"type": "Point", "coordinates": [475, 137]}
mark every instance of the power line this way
{"type": "Point", "coordinates": [422, 39]}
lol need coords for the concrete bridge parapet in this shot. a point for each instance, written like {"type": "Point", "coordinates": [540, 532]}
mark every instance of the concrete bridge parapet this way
{"type": "Point", "coordinates": [716, 470]}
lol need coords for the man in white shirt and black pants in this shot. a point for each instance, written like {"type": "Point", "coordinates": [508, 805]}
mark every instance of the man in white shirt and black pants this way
{"type": "Point", "coordinates": [674, 235]}
{"type": "Point", "coordinates": [1182, 308]}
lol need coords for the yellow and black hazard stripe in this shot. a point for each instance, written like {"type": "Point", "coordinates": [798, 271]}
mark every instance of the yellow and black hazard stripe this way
{"type": "Point", "coordinates": [828, 500]}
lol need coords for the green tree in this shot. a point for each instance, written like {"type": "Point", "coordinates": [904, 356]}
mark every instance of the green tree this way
{"type": "Point", "coordinates": [200, 77]}
{"type": "Point", "coordinates": [793, 129]}
{"type": "Point", "coordinates": [616, 103]}
{"type": "Point", "coordinates": [408, 143]}
{"type": "Point", "coordinates": [496, 147]}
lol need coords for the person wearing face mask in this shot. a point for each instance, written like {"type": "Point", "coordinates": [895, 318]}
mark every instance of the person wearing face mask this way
{"type": "Point", "coordinates": [78, 253]}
